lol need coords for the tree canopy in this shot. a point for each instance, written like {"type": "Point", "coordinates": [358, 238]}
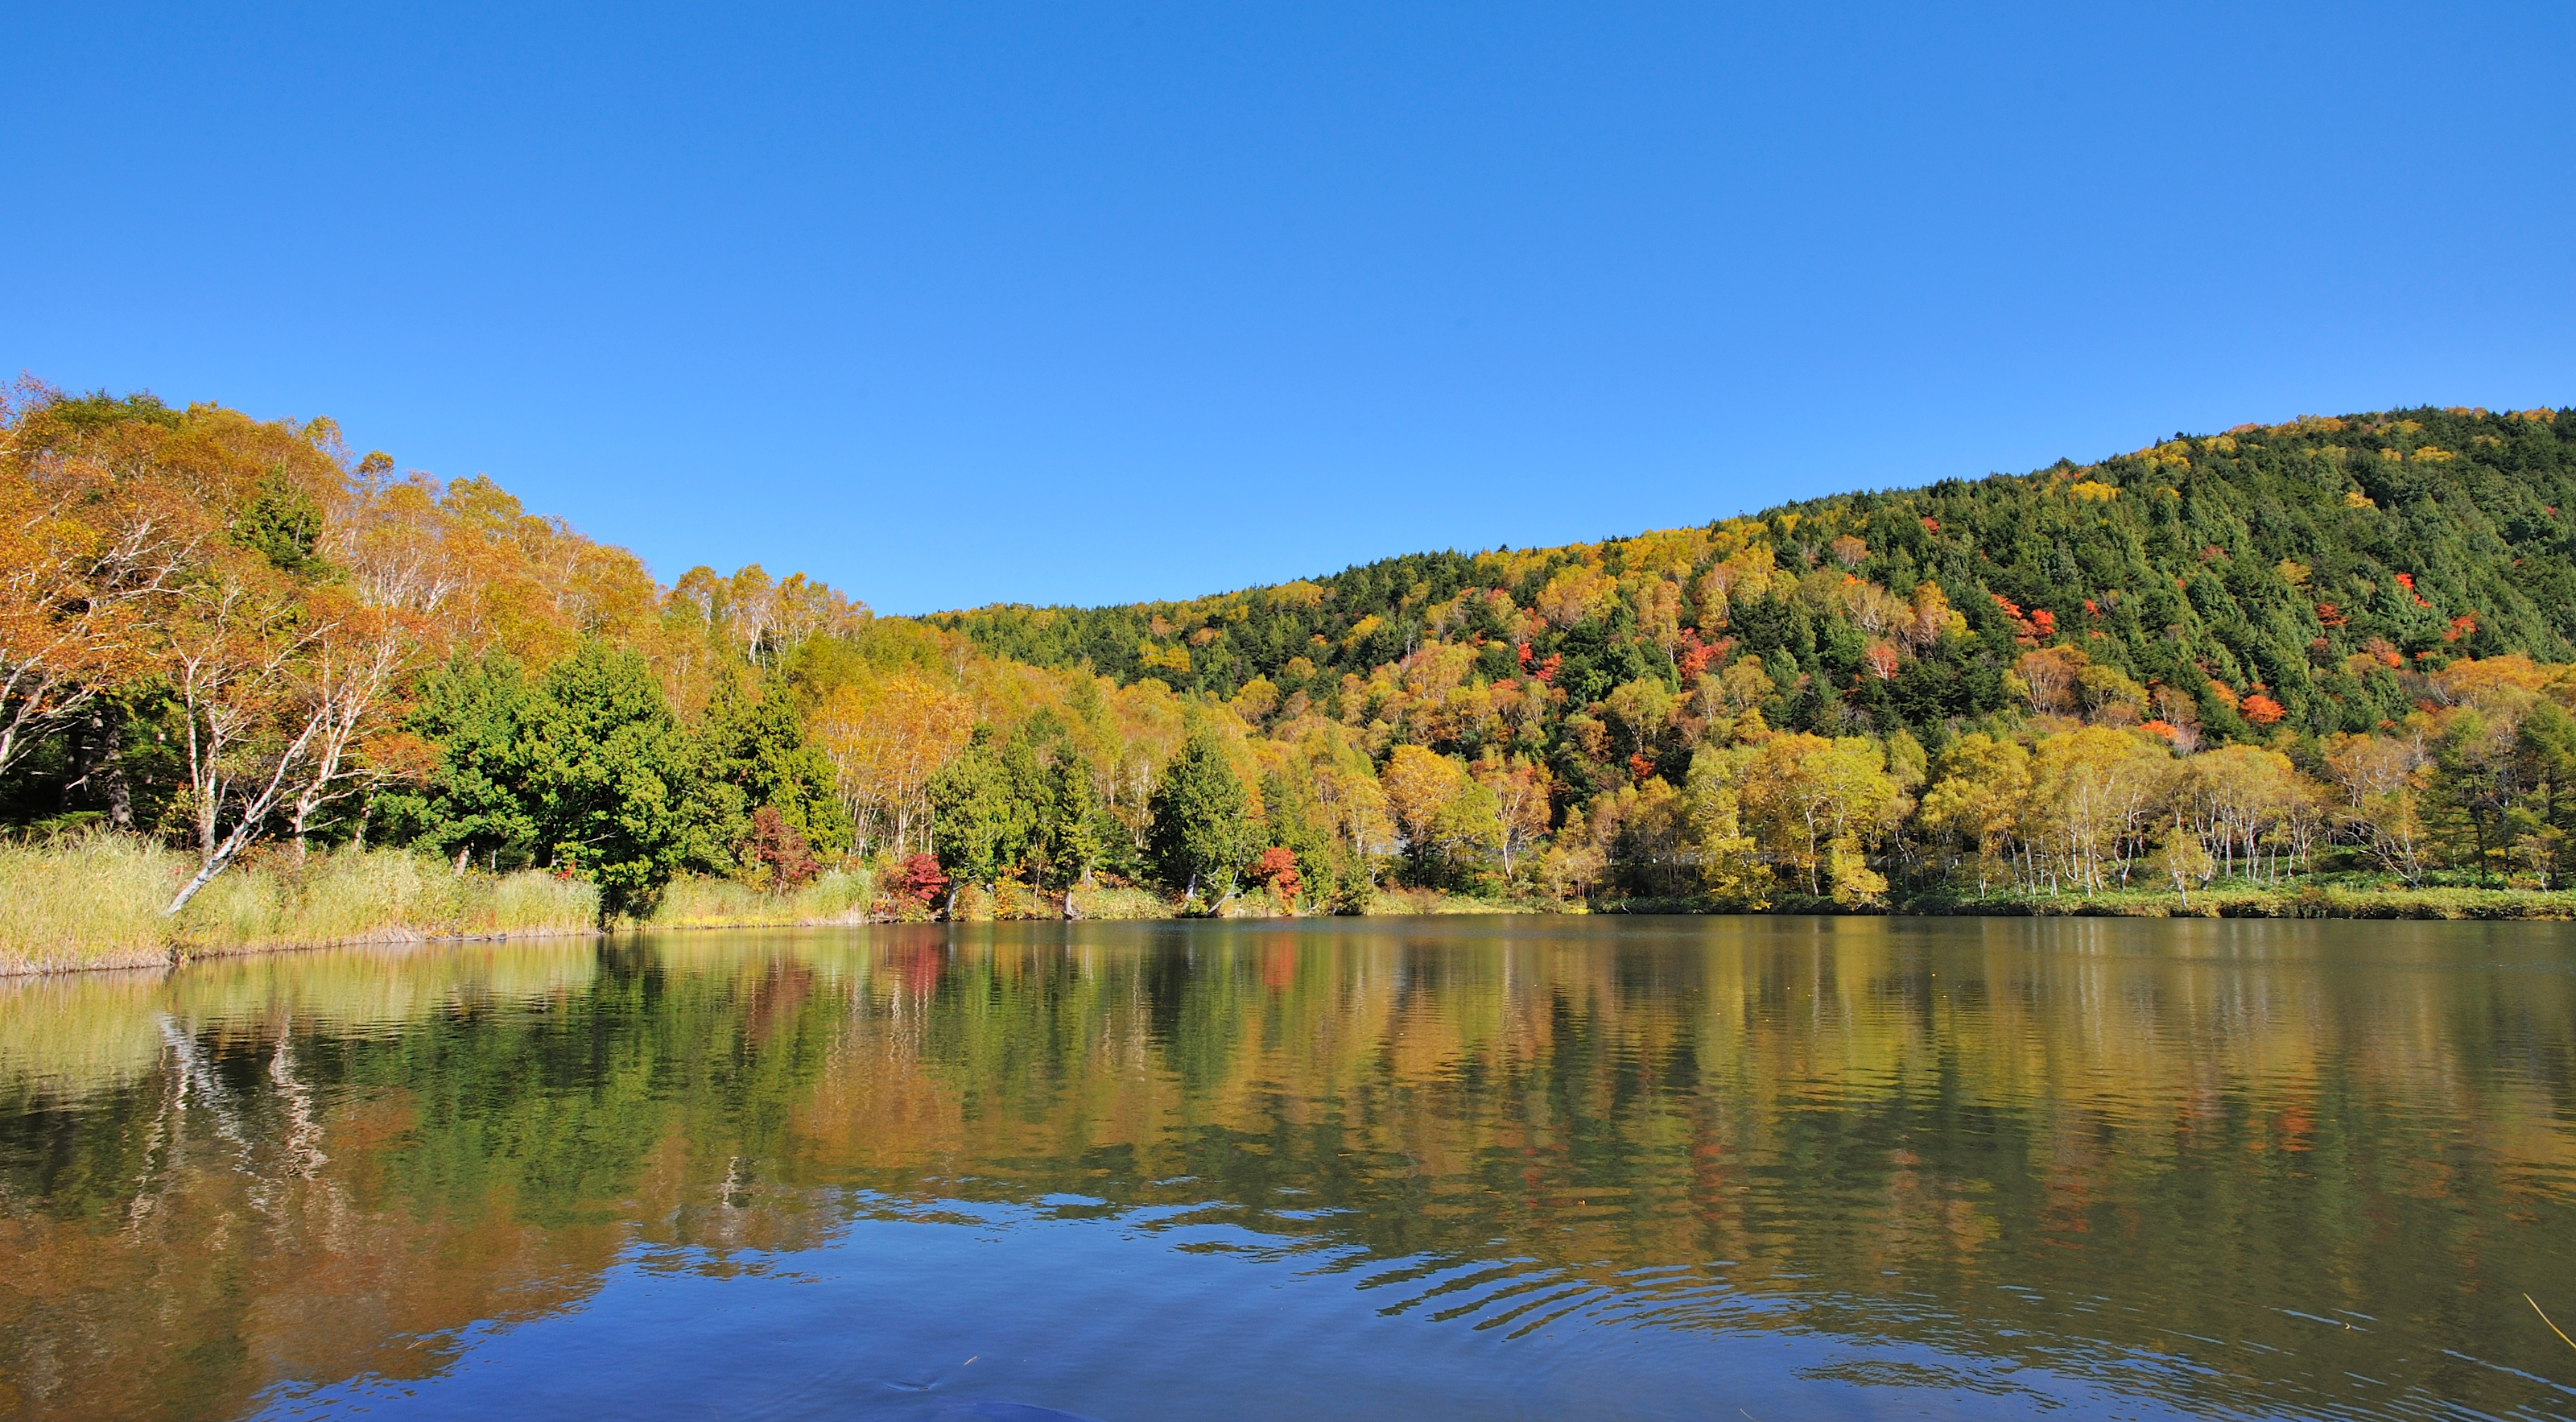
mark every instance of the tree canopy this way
{"type": "Point", "coordinates": [2338, 644]}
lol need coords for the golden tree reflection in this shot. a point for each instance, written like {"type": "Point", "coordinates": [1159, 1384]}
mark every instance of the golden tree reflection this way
{"type": "Point", "coordinates": [2058, 1142]}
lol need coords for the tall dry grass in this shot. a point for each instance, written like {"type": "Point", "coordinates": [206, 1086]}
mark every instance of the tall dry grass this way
{"type": "Point", "coordinates": [95, 901]}
{"type": "Point", "coordinates": [977, 904]}
{"type": "Point", "coordinates": [1103, 902]}
{"type": "Point", "coordinates": [836, 896]}
{"type": "Point", "coordinates": [376, 896]}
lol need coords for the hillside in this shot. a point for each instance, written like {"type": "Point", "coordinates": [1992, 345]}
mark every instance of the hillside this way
{"type": "Point", "coordinates": [2302, 563]}
{"type": "Point", "coordinates": [2330, 656]}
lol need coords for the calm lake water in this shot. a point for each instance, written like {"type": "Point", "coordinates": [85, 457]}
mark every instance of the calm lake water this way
{"type": "Point", "coordinates": [1761, 1168]}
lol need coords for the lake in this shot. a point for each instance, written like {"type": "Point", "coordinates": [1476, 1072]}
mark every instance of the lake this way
{"type": "Point", "coordinates": [1465, 1167]}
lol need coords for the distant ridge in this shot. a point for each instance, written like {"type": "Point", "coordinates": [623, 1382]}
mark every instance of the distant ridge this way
{"type": "Point", "coordinates": [2291, 561]}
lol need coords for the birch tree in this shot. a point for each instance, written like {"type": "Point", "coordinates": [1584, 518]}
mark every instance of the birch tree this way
{"type": "Point", "coordinates": [236, 652]}
{"type": "Point", "coordinates": [91, 544]}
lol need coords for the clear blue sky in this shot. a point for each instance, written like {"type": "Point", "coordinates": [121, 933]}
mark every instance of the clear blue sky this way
{"type": "Point", "coordinates": [1049, 302]}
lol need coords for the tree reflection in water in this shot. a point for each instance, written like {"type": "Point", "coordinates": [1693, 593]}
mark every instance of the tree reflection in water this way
{"type": "Point", "coordinates": [2242, 1166]}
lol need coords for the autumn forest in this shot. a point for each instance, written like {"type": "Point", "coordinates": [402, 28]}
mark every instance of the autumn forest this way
{"type": "Point", "coordinates": [2314, 667]}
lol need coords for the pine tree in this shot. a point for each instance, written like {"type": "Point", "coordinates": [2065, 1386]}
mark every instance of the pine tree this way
{"type": "Point", "coordinates": [1202, 832]}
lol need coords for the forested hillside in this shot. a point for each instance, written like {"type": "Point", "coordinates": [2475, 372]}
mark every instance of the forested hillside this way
{"type": "Point", "coordinates": [2332, 650]}
{"type": "Point", "coordinates": [2299, 564]}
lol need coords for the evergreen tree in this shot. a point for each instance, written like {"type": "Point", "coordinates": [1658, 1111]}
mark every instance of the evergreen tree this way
{"type": "Point", "coordinates": [610, 781]}
{"type": "Point", "coordinates": [979, 826]}
{"type": "Point", "coordinates": [1294, 822]}
{"type": "Point", "coordinates": [1202, 833]}
{"type": "Point", "coordinates": [471, 806]}
{"type": "Point", "coordinates": [754, 754]}
{"type": "Point", "coordinates": [2544, 820]}
{"type": "Point", "coordinates": [1068, 838]}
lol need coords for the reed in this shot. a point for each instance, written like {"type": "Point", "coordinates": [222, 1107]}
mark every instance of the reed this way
{"type": "Point", "coordinates": [976, 904]}
{"type": "Point", "coordinates": [835, 896]}
{"type": "Point", "coordinates": [96, 900]}
{"type": "Point", "coordinates": [1434, 901]}
{"type": "Point", "coordinates": [2389, 901]}
{"type": "Point", "coordinates": [88, 901]}
{"type": "Point", "coordinates": [531, 902]}
{"type": "Point", "coordinates": [376, 896]}
{"type": "Point", "coordinates": [1104, 902]}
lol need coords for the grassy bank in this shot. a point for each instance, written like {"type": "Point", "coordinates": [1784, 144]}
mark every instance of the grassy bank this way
{"type": "Point", "coordinates": [836, 896]}
{"type": "Point", "coordinates": [2303, 901]}
{"type": "Point", "coordinates": [977, 905]}
{"type": "Point", "coordinates": [2232, 901]}
{"type": "Point", "coordinates": [95, 902]}
{"type": "Point", "coordinates": [1435, 901]}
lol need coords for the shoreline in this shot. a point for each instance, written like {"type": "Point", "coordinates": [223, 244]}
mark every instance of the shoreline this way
{"type": "Point", "coordinates": [2430, 904]}
{"type": "Point", "coordinates": [2417, 905]}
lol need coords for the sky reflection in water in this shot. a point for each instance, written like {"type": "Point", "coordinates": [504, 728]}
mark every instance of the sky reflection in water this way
{"type": "Point", "coordinates": [1398, 1168]}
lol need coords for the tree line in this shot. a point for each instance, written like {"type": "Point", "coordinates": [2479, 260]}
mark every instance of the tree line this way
{"type": "Point", "coordinates": [2335, 645]}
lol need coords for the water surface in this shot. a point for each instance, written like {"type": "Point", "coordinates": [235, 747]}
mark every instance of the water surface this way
{"type": "Point", "coordinates": [1775, 1168]}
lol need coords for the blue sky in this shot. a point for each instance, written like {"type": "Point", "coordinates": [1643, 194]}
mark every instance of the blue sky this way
{"type": "Point", "coordinates": [1081, 303]}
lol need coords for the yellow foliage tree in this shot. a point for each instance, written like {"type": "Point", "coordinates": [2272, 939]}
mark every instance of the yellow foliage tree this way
{"type": "Point", "coordinates": [885, 738]}
{"type": "Point", "coordinates": [1818, 805]}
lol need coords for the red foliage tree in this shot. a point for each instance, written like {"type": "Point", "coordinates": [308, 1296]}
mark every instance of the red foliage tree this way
{"type": "Point", "coordinates": [779, 847]}
{"type": "Point", "coordinates": [1696, 655]}
{"type": "Point", "coordinates": [920, 881]}
{"type": "Point", "coordinates": [1276, 868]}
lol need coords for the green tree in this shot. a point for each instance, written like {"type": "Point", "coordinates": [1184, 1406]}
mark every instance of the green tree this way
{"type": "Point", "coordinates": [1294, 820]}
{"type": "Point", "coordinates": [2475, 782]}
{"type": "Point", "coordinates": [610, 781]}
{"type": "Point", "coordinates": [1070, 832]}
{"type": "Point", "coordinates": [2544, 820]}
{"type": "Point", "coordinates": [979, 824]}
{"type": "Point", "coordinates": [470, 805]}
{"type": "Point", "coordinates": [753, 753]}
{"type": "Point", "coordinates": [282, 524]}
{"type": "Point", "coordinates": [1202, 832]}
